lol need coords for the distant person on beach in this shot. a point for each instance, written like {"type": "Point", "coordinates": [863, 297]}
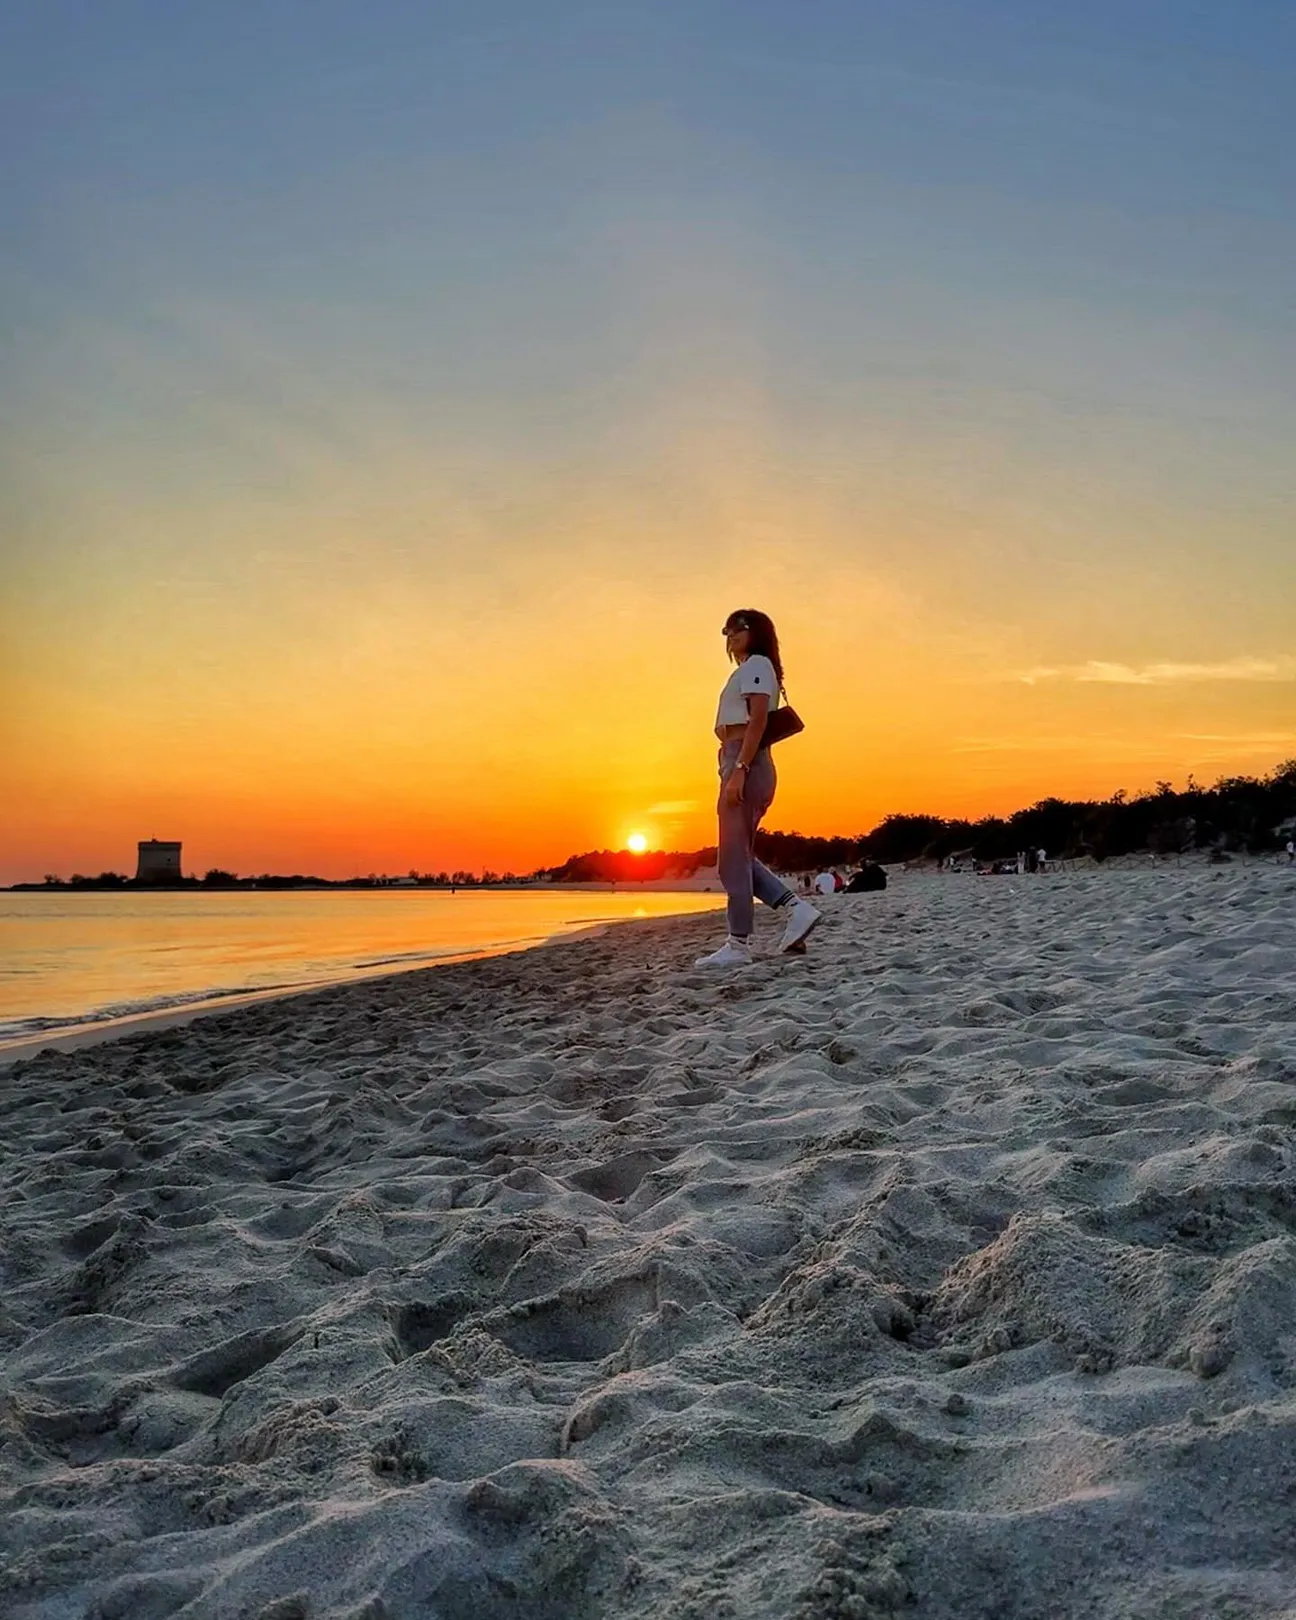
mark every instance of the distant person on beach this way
{"type": "Point", "coordinates": [1291, 851]}
{"type": "Point", "coordinates": [870, 879]}
{"type": "Point", "coordinates": [825, 883]}
{"type": "Point", "coordinates": [747, 783]}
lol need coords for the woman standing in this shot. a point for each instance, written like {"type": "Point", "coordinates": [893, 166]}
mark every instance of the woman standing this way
{"type": "Point", "coordinates": [747, 782]}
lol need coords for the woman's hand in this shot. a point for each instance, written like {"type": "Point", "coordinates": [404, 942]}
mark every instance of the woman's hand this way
{"type": "Point", "coordinates": [734, 784]}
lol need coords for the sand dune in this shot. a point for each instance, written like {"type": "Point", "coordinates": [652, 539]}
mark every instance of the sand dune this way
{"type": "Point", "coordinates": [948, 1271]}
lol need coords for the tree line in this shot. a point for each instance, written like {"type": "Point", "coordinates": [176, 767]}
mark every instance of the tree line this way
{"type": "Point", "coordinates": [1241, 813]}
{"type": "Point", "coordinates": [218, 878]}
{"type": "Point", "coordinates": [1244, 813]}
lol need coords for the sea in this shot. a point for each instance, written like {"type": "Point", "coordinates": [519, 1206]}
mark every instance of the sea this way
{"type": "Point", "coordinates": [72, 960]}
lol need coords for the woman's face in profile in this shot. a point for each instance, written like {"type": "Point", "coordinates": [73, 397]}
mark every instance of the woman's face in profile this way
{"type": "Point", "coordinates": [737, 641]}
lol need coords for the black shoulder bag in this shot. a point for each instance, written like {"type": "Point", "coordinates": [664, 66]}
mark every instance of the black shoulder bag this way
{"type": "Point", "coordinates": [782, 723]}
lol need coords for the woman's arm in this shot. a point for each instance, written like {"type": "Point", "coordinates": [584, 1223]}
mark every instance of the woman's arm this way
{"type": "Point", "coordinates": [757, 714]}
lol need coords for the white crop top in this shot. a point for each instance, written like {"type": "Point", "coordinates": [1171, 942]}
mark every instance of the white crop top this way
{"type": "Point", "coordinates": [753, 675]}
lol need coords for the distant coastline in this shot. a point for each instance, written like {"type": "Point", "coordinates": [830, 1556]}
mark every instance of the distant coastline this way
{"type": "Point", "coordinates": [702, 880]}
{"type": "Point", "coordinates": [1243, 814]}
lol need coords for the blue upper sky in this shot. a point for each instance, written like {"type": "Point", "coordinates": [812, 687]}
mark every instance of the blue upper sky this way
{"type": "Point", "coordinates": [1095, 201]}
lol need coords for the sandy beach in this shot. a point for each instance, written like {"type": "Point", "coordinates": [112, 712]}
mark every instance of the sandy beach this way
{"type": "Point", "coordinates": [947, 1271]}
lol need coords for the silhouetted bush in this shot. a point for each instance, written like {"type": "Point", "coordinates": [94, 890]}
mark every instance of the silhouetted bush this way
{"type": "Point", "coordinates": [1239, 812]}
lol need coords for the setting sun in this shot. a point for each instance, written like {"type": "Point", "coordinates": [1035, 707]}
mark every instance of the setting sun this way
{"type": "Point", "coordinates": [637, 843]}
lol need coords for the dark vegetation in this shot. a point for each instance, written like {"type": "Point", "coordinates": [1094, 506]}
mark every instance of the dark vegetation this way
{"type": "Point", "coordinates": [219, 879]}
{"type": "Point", "coordinates": [1242, 813]}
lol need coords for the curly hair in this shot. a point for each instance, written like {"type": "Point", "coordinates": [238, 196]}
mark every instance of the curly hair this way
{"type": "Point", "coordinates": [764, 637]}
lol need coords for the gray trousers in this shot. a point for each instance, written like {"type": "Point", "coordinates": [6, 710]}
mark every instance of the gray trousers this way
{"type": "Point", "coordinates": [743, 876]}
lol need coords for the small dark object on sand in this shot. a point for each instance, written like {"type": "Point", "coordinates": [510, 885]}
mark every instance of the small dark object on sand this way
{"type": "Point", "coordinates": [870, 879]}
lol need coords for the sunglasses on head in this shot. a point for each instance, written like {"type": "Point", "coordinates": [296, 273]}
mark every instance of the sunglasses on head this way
{"type": "Point", "coordinates": [734, 626]}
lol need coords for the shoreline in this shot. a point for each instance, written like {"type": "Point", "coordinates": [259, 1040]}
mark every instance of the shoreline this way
{"type": "Point", "coordinates": [92, 1033]}
{"type": "Point", "coordinates": [96, 1032]}
{"type": "Point", "coordinates": [705, 881]}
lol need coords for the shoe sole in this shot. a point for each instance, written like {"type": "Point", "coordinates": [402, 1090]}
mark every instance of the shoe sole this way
{"type": "Point", "coordinates": [804, 935]}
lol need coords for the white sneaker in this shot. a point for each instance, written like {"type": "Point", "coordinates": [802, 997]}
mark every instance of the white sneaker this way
{"type": "Point", "coordinates": [802, 917]}
{"type": "Point", "coordinates": [733, 953]}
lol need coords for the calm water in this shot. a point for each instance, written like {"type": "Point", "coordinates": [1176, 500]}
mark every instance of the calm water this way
{"type": "Point", "coordinates": [68, 959]}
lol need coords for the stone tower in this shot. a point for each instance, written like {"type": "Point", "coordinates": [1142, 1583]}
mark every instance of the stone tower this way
{"type": "Point", "coordinates": [159, 861]}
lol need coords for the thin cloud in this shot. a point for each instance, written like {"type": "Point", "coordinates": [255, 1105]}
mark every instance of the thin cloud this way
{"type": "Point", "coordinates": [673, 807]}
{"type": "Point", "coordinates": [1102, 673]}
{"type": "Point", "coordinates": [1246, 739]}
{"type": "Point", "coordinates": [1088, 744]}
{"type": "Point", "coordinates": [1018, 745]}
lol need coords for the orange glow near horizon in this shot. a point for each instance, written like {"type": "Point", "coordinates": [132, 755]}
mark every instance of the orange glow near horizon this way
{"type": "Point", "coordinates": [389, 737]}
{"type": "Point", "coordinates": [487, 686]}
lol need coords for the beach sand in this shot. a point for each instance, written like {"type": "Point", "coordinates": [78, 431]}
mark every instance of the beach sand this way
{"type": "Point", "coordinates": [948, 1271]}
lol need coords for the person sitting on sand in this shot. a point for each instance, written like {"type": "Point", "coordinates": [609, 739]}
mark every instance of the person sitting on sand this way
{"type": "Point", "coordinates": [868, 880]}
{"type": "Point", "coordinates": [747, 783]}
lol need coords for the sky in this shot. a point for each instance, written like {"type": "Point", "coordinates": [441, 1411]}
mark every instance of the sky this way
{"type": "Point", "coordinates": [395, 399]}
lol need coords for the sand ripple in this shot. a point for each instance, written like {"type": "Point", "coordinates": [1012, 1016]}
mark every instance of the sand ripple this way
{"type": "Point", "coordinates": [950, 1270]}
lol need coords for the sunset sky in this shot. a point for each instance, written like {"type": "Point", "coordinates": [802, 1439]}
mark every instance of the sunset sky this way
{"type": "Point", "coordinates": [395, 398]}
